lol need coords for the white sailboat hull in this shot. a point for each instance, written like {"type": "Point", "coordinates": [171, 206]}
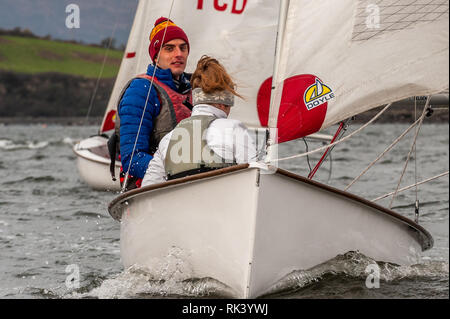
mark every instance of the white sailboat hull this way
{"type": "Point", "coordinates": [248, 230]}
{"type": "Point", "coordinates": [93, 166]}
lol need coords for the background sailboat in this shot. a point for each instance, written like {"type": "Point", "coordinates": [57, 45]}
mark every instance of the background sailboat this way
{"type": "Point", "coordinates": [272, 222]}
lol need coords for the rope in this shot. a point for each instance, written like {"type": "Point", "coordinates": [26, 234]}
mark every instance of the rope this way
{"type": "Point", "coordinates": [337, 142]}
{"type": "Point", "coordinates": [415, 153]}
{"type": "Point", "coordinates": [307, 157]}
{"type": "Point", "coordinates": [91, 103]}
{"type": "Point", "coordinates": [331, 168]}
{"type": "Point", "coordinates": [410, 151]}
{"type": "Point", "coordinates": [410, 186]}
{"type": "Point", "coordinates": [146, 102]}
{"type": "Point", "coordinates": [382, 154]}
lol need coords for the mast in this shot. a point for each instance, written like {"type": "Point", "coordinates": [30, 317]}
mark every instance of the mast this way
{"type": "Point", "coordinates": [277, 88]}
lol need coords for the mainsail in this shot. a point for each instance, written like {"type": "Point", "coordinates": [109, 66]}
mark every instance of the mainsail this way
{"type": "Point", "coordinates": [366, 53]}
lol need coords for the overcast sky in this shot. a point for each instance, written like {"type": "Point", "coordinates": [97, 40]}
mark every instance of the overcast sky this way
{"type": "Point", "coordinates": [97, 18]}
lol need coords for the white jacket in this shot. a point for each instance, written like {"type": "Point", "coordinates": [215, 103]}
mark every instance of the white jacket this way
{"type": "Point", "coordinates": [226, 137]}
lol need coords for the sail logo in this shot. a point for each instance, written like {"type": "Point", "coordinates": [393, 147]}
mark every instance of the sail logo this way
{"type": "Point", "coordinates": [317, 94]}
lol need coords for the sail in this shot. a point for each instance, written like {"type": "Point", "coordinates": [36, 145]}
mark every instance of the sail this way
{"type": "Point", "coordinates": [130, 65]}
{"type": "Point", "coordinates": [341, 58]}
{"type": "Point", "coordinates": [241, 34]}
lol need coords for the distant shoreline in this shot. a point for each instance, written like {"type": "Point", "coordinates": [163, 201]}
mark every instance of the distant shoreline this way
{"type": "Point", "coordinates": [53, 98]}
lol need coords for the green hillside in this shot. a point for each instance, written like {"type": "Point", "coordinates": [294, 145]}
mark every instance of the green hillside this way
{"type": "Point", "coordinates": [30, 55]}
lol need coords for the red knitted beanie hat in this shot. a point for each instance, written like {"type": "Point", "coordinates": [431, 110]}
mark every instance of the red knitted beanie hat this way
{"type": "Point", "coordinates": [167, 29]}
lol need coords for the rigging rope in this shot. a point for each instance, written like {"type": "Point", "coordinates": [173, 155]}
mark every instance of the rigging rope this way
{"type": "Point", "coordinates": [331, 168]}
{"type": "Point", "coordinates": [382, 154]}
{"type": "Point", "coordinates": [415, 168]}
{"type": "Point", "coordinates": [337, 142]}
{"type": "Point", "coordinates": [146, 102]}
{"type": "Point", "coordinates": [100, 74]}
{"type": "Point", "coordinates": [410, 186]}
{"type": "Point", "coordinates": [307, 157]}
{"type": "Point", "coordinates": [410, 151]}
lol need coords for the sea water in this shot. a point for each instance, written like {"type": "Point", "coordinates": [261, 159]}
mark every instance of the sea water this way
{"type": "Point", "coordinates": [57, 239]}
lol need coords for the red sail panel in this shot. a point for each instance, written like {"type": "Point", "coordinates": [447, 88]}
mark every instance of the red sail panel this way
{"type": "Point", "coordinates": [295, 120]}
{"type": "Point", "coordinates": [109, 122]}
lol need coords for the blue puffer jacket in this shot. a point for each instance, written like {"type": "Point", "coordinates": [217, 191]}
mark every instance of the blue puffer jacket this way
{"type": "Point", "coordinates": [130, 111]}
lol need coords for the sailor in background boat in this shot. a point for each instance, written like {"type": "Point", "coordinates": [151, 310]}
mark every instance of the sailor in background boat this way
{"type": "Point", "coordinates": [207, 140]}
{"type": "Point", "coordinates": [168, 103]}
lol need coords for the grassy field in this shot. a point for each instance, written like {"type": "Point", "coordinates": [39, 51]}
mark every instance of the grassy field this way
{"type": "Point", "coordinates": [30, 55]}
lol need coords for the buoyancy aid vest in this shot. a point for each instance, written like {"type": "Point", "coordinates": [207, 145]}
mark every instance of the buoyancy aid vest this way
{"type": "Point", "coordinates": [174, 107]}
{"type": "Point", "coordinates": [189, 137]}
{"type": "Point", "coordinates": [173, 110]}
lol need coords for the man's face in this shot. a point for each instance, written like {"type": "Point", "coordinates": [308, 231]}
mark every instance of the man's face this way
{"type": "Point", "coordinates": [173, 55]}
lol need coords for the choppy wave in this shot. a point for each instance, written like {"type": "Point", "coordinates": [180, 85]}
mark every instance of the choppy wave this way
{"type": "Point", "coordinates": [170, 277]}
{"type": "Point", "coordinates": [39, 179]}
{"type": "Point", "coordinates": [88, 214]}
{"type": "Point", "coordinates": [352, 268]}
{"type": "Point", "coordinates": [137, 282]}
{"type": "Point", "coordinates": [354, 265]}
{"type": "Point", "coordinates": [10, 145]}
{"type": "Point", "coordinates": [68, 140]}
{"type": "Point", "coordinates": [412, 205]}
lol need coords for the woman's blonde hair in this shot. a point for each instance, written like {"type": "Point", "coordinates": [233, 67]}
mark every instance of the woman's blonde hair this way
{"type": "Point", "coordinates": [211, 77]}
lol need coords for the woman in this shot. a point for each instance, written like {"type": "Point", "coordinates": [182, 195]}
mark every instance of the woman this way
{"type": "Point", "coordinates": [208, 139]}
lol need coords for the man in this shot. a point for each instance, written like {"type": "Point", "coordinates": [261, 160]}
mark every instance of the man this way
{"type": "Point", "coordinates": [207, 140]}
{"type": "Point", "coordinates": [167, 103]}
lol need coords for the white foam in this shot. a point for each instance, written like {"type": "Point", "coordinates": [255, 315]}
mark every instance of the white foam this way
{"type": "Point", "coordinates": [68, 140]}
{"type": "Point", "coordinates": [3, 223]}
{"type": "Point", "coordinates": [135, 282]}
{"type": "Point", "coordinates": [10, 145]}
{"type": "Point", "coordinates": [6, 144]}
{"type": "Point", "coordinates": [32, 145]}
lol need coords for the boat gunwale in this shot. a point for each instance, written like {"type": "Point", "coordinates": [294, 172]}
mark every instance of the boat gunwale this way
{"type": "Point", "coordinates": [427, 241]}
{"type": "Point", "coordinates": [106, 162]}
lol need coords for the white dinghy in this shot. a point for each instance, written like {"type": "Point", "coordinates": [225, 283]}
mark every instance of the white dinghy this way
{"type": "Point", "coordinates": [248, 229]}
{"type": "Point", "coordinates": [250, 225]}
